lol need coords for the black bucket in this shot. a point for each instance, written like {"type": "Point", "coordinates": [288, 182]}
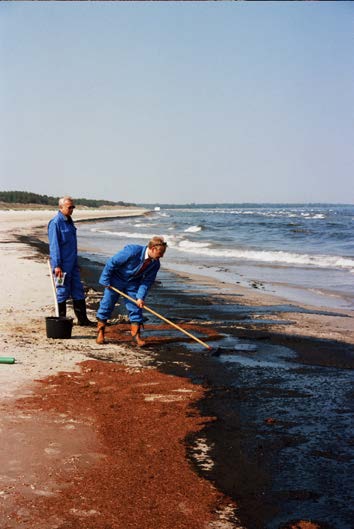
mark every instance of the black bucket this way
{"type": "Point", "coordinates": [58, 327]}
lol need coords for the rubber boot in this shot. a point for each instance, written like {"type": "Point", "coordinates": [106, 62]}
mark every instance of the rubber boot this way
{"type": "Point", "coordinates": [80, 312]}
{"type": "Point", "coordinates": [62, 309]}
{"type": "Point", "coordinates": [135, 332]}
{"type": "Point", "coordinates": [101, 326]}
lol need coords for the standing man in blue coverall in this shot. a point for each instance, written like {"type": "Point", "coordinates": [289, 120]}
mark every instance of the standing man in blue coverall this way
{"type": "Point", "coordinates": [133, 271]}
{"type": "Point", "coordinates": [63, 258]}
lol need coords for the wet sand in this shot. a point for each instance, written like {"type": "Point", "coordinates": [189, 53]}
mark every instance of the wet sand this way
{"type": "Point", "coordinates": [233, 428]}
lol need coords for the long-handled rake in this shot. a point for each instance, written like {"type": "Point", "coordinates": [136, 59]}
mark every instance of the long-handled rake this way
{"type": "Point", "coordinates": [162, 318]}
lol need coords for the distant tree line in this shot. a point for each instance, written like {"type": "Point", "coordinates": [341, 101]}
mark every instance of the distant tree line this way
{"type": "Point", "coordinates": [23, 197]}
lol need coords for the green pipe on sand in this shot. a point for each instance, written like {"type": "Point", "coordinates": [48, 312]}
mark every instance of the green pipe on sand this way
{"type": "Point", "coordinates": [7, 360]}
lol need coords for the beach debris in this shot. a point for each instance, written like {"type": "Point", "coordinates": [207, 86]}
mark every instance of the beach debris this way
{"type": "Point", "coordinates": [257, 284]}
{"type": "Point", "coordinates": [7, 360]}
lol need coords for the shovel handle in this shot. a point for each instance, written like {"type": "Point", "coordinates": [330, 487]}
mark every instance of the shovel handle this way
{"type": "Point", "coordinates": [54, 289]}
{"type": "Point", "coordinates": [162, 318]}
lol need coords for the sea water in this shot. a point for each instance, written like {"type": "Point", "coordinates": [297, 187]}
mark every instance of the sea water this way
{"type": "Point", "coordinates": [303, 252]}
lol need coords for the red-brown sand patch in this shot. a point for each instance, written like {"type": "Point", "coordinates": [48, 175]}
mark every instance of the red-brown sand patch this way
{"type": "Point", "coordinates": [105, 449]}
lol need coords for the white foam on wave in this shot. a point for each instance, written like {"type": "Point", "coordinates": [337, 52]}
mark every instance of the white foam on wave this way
{"type": "Point", "coordinates": [192, 247]}
{"type": "Point", "coordinates": [132, 235]}
{"type": "Point", "coordinates": [193, 229]}
{"type": "Point", "coordinates": [316, 216]}
{"type": "Point", "coordinates": [279, 257]}
{"type": "Point", "coordinates": [258, 212]}
{"type": "Point", "coordinates": [123, 234]}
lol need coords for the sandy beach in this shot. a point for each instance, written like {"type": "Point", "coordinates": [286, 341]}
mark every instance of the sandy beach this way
{"type": "Point", "coordinates": [48, 442]}
{"type": "Point", "coordinates": [89, 443]}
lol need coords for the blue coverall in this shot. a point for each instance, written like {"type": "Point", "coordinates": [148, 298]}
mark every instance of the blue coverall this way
{"type": "Point", "coordinates": [63, 253]}
{"type": "Point", "coordinates": [122, 272]}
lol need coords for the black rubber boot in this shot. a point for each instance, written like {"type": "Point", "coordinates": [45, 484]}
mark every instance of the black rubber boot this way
{"type": "Point", "coordinates": [80, 312]}
{"type": "Point", "coordinates": [62, 309]}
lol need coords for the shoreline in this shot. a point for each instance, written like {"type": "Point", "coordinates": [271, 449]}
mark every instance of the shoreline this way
{"type": "Point", "coordinates": [311, 321]}
{"type": "Point", "coordinates": [42, 216]}
{"type": "Point", "coordinates": [23, 333]}
{"type": "Point", "coordinates": [314, 320]}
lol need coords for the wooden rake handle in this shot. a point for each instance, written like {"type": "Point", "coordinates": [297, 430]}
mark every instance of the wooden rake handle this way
{"type": "Point", "coordinates": [162, 318]}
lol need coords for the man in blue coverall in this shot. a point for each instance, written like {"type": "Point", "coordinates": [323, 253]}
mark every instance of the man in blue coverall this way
{"type": "Point", "coordinates": [63, 258]}
{"type": "Point", "coordinates": [132, 270]}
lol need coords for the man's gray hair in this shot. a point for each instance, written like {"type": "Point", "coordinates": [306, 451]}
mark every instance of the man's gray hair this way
{"type": "Point", "coordinates": [157, 241]}
{"type": "Point", "coordinates": [62, 200]}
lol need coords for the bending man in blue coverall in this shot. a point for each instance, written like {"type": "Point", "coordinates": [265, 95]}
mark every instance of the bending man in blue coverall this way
{"type": "Point", "coordinates": [63, 258]}
{"type": "Point", "coordinates": [132, 270]}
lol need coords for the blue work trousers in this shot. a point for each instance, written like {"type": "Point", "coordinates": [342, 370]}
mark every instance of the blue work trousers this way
{"type": "Point", "coordinates": [110, 298]}
{"type": "Point", "coordinates": [72, 287]}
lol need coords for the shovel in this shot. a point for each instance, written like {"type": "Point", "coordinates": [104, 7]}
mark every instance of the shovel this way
{"type": "Point", "coordinates": [163, 318]}
{"type": "Point", "coordinates": [56, 306]}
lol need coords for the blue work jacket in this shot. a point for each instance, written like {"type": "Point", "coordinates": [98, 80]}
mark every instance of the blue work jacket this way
{"type": "Point", "coordinates": [122, 269]}
{"type": "Point", "coordinates": [62, 243]}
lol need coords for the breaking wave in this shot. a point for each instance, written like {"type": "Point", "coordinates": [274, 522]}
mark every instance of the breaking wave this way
{"type": "Point", "coordinates": [277, 257]}
{"type": "Point", "coordinates": [124, 234]}
{"type": "Point", "coordinates": [193, 229]}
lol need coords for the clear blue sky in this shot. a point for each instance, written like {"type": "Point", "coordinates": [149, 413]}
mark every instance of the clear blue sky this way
{"type": "Point", "coordinates": [178, 101]}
